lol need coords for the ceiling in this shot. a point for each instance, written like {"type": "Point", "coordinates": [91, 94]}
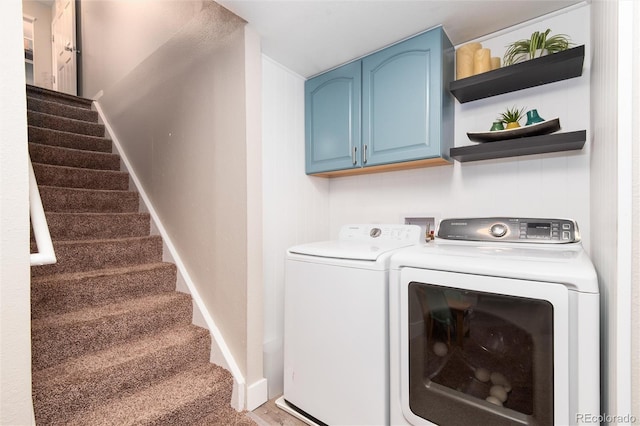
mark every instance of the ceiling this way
{"type": "Point", "coordinates": [311, 36]}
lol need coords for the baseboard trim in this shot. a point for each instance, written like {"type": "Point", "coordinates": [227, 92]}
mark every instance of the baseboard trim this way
{"type": "Point", "coordinates": [257, 394]}
{"type": "Point", "coordinates": [239, 388]}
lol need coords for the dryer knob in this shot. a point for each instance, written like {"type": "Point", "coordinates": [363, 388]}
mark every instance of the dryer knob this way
{"type": "Point", "coordinates": [498, 230]}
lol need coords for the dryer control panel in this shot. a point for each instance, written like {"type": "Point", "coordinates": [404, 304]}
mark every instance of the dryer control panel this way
{"type": "Point", "coordinates": [380, 232]}
{"type": "Point", "coordinates": [510, 229]}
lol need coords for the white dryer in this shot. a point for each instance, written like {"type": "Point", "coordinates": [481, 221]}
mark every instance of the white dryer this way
{"type": "Point", "coordinates": [496, 322]}
{"type": "Point", "coordinates": [336, 340]}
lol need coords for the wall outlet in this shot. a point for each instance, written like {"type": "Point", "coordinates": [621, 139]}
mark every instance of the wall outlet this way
{"type": "Point", "coordinates": [427, 224]}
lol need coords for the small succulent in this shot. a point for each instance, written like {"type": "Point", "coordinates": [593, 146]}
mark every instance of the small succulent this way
{"type": "Point", "coordinates": [511, 115]}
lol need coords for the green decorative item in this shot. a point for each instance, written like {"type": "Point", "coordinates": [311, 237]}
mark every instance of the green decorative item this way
{"type": "Point", "coordinates": [511, 117]}
{"type": "Point", "coordinates": [497, 125]}
{"type": "Point", "coordinates": [533, 117]}
{"type": "Point", "coordinates": [539, 44]}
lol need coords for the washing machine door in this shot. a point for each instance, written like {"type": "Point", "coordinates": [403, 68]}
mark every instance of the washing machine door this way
{"type": "Point", "coordinates": [478, 350]}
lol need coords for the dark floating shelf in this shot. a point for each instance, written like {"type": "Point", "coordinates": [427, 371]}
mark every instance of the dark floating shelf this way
{"type": "Point", "coordinates": [535, 72]}
{"type": "Point", "coordinates": [555, 142]}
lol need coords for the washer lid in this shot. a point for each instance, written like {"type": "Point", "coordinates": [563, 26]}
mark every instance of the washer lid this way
{"type": "Point", "coordinates": [363, 242]}
{"type": "Point", "coordinates": [353, 250]}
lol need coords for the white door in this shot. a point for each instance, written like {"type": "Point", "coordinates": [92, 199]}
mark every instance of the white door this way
{"type": "Point", "coordinates": [63, 30]}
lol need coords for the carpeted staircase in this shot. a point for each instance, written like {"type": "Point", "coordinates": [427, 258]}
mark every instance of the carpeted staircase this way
{"type": "Point", "coordinates": [112, 341]}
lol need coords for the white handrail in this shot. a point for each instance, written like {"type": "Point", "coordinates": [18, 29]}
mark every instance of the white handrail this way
{"type": "Point", "coordinates": [45, 254]}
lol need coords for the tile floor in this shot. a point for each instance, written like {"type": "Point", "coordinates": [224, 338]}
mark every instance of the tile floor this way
{"type": "Point", "coordinates": [269, 414]}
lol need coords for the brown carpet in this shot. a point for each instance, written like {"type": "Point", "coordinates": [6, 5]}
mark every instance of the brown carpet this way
{"type": "Point", "coordinates": [112, 341]}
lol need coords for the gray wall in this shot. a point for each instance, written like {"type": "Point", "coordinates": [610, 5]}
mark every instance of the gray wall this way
{"type": "Point", "coordinates": [179, 84]}
{"type": "Point", "coordinates": [118, 35]}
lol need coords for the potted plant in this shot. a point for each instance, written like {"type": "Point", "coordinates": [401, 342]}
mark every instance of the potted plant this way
{"type": "Point", "coordinates": [539, 44]}
{"type": "Point", "coordinates": [511, 117]}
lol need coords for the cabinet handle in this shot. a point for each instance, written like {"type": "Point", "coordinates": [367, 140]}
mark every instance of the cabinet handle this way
{"type": "Point", "coordinates": [364, 155]}
{"type": "Point", "coordinates": [354, 159]}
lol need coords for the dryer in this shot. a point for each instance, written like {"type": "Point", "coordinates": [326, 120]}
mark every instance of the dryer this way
{"type": "Point", "coordinates": [496, 322]}
{"type": "Point", "coordinates": [336, 341]}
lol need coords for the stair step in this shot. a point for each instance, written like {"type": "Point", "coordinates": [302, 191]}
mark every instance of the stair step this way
{"type": "Point", "coordinates": [92, 226]}
{"type": "Point", "coordinates": [62, 110]}
{"type": "Point", "coordinates": [60, 156]}
{"type": "Point", "coordinates": [86, 382]}
{"type": "Point", "coordinates": [56, 199]}
{"type": "Point", "coordinates": [177, 401]}
{"type": "Point", "coordinates": [74, 177]}
{"type": "Point", "coordinates": [40, 119]}
{"type": "Point", "coordinates": [69, 140]}
{"type": "Point", "coordinates": [57, 338]}
{"type": "Point", "coordinates": [59, 97]}
{"type": "Point", "coordinates": [85, 255]}
{"type": "Point", "coordinates": [59, 293]}
{"type": "Point", "coordinates": [112, 341]}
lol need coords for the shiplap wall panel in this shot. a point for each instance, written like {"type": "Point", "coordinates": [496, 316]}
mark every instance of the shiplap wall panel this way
{"type": "Point", "coordinates": [295, 206]}
{"type": "Point", "coordinates": [604, 194]}
{"type": "Point", "coordinates": [635, 319]}
{"type": "Point", "coordinates": [615, 171]}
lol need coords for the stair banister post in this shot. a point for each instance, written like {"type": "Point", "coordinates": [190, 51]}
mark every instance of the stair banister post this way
{"type": "Point", "coordinates": [46, 254]}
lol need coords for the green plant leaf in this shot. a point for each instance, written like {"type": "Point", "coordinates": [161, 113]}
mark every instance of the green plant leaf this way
{"type": "Point", "coordinates": [511, 115]}
{"type": "Point", "coordinates": [537, 41]}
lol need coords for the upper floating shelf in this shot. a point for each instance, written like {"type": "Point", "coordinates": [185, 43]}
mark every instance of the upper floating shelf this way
{"type": "Point", "coordinates": [534, 72]}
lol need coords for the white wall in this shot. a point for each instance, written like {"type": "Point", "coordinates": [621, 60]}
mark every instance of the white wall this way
{"type": "Point", "coordinates": [299, 208]}
{"type": "Point", "coordinates": [257, 392]}
{"type": "Point", "coordinates": [635, 282]}
{"type": "Point", "coordinates": [15, 310]}
{"type": "Point", "coordinates": [295, 206]}
{"type": "Point", "coordinates": [42, 41]}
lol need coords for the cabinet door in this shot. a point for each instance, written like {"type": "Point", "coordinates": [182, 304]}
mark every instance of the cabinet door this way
{"type": "Point", "coordinates": [402, 92]}
{"type": "Point", "coordinates": [332, 119]}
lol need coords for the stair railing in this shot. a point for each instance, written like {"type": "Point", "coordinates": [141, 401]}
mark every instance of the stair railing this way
{"type": "Point", "coordinates": [45, 255]}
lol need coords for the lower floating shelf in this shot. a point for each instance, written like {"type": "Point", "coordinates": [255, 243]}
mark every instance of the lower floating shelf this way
{"type": "Point", "coordinates": [555, 142]}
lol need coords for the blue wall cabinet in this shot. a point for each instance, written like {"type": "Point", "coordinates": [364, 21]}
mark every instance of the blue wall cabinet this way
{"type": "Point", "coordinates": [403, 119]}
{"type": "Point", "coordinates": [332, 119]}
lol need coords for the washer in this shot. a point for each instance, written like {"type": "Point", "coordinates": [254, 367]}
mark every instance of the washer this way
{"type": "Point", "coordinates": [495, 322]}
{"type": "Point", "coordinates": [336, 342]}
